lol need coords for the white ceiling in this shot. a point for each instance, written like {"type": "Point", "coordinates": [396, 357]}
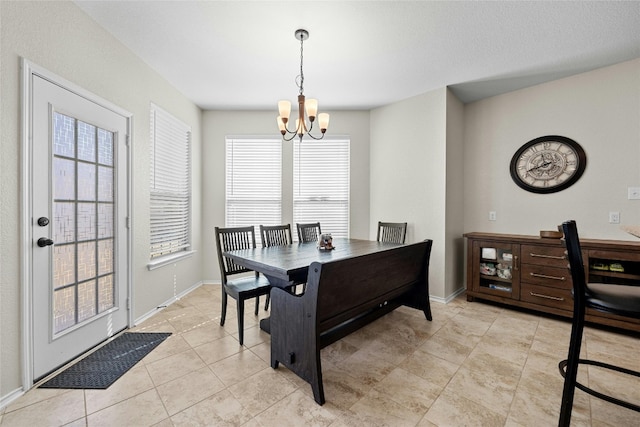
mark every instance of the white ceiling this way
{"type": "Point", "coordinates": [364, 54]}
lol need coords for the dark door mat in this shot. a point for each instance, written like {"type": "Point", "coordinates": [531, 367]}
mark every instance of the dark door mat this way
{"type": "Point", "coordinates": [104, 366]}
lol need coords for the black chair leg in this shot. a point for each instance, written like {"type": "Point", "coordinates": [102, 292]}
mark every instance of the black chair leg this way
{"type": "Point", "coordinates": [223, 315]}
{"type": "Point", "coordinates": [266, 304]}
{"type": "Point", "coordinates": [255, 312]}
{"type": "Point", "coordinates": [571, 374]}
{"type": "Point", "coordinates": [240, 320]}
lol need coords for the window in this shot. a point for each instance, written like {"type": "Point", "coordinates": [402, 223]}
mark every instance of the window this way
{"type": "Point", "coordinates": [321, 184]}
{"type": "Point", "coordinates": [170, 186]}
{"type": "Point", "coordinates": [253, 182]}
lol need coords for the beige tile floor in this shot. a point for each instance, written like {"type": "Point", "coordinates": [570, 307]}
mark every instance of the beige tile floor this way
{"type": "Point", "coordinates": [474, 365]}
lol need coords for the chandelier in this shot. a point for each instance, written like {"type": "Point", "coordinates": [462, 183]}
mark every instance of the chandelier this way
{"type": "Point", "coordinates": [310, 105]}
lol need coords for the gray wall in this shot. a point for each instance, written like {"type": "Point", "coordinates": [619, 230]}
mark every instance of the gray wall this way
{"type": "Point", "coordinates": [87, 56]}
{"type": "Point", "coordinates": [600, 110]}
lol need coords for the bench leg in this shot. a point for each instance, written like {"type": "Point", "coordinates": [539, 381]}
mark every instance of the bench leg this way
{"type": "Point", "coordinates": [427, 312]}
{"type": "Point", "coordinates": [316, 380]}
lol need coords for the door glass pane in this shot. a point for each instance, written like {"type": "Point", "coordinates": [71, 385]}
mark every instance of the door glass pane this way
{"type": "Point", "coordinates": [65, 222]}
{"type": "Point", "coordinates": [83, 255]}
{"type": "Point", "coordinates": [86, 260]}
{"type": "Point", "coordinates": [64, 259]}
{"type": "Point", "coordinates": [64, 178]}
{"type": "Point", "coordinates": [105, 147]}
{"type": "Point", "coordinates": [105, 184]}
{"type": "Point", "coordinates": [86, 300]}
{"type": "Point", "coordinates": [64, 302]}
{"type": "Point", "coordinates": [105, 293]}
{"type": "Point", "coordinates": [86, 181]}
{"type": "Point", "coordinates": [64, 135]}
{"type": "Point", "coordinates": [86, 142]}
{"type": "Point", "coordinates": [86, 221]}
{"type": "Point", "coordinates": [105, 220]}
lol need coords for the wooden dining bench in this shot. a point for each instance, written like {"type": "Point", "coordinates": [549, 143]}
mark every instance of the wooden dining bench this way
{"type": "Point", "coordinates": [341, 297]}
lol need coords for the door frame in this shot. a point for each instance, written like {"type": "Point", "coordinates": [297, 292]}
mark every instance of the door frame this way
{"type": "Point", "coordinates": [29, 69]}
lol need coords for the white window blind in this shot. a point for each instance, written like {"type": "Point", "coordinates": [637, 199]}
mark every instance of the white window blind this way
{"type": "Point", "coordinates": [253, 182]}
{"type": "Point", "coordinates": [170, 184]}
{"type": "Point", "coordinates": [321, 184]}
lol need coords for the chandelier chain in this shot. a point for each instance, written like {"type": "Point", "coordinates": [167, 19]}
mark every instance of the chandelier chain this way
{"type": "Point", "coordinates": [301, 85]}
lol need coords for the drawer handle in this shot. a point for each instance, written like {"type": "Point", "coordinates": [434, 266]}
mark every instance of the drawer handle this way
{"type": "Point", "coordinates": [533, 294]}
{"type": "Point", "coordinates": [546, 256]}
{"type": "Point", "coordinates": [544, 276]}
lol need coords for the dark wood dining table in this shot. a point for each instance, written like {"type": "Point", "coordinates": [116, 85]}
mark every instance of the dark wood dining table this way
{"type": "Point", "coordinates": [284, 265]}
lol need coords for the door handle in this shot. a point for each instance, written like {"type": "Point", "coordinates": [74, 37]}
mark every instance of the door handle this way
{"type": "Point", "coordinates": [43, 241]}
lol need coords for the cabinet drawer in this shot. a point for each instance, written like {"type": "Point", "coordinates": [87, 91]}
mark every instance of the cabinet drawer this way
{"type": "Point", "coordinates": [556, 277]}
{"type": "Point", "coordinates": [553, 256]}
{"type": "Point", "coordinates": [549, 297]}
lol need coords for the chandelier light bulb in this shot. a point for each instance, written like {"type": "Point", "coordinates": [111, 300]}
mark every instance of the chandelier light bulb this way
{"type": "Point", "coordinates": [284, 108]}
{"type": "Point", "coordinates": [323, 118]}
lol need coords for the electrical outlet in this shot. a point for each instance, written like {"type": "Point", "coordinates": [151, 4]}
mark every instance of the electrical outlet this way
{"type": "Point", "coordinates": [614, 217]}
{"type": "Point", "coordinates": [633, 193]}
{"type": "Point", "coordinates": [492, 215]}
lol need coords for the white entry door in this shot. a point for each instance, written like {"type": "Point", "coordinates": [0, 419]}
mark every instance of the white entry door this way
{"type": "Point", "coordinates": [79, 208]}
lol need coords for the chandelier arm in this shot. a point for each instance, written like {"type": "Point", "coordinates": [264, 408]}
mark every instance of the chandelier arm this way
{"type": "Point", "coordinates": [293, 135]}
{"type": "Point", "coordinates": [315, 137]}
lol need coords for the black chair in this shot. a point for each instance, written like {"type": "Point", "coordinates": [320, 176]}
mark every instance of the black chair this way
{"type": "Point", "coordinates": [308, 232]}
{"type": "Point", "coordinates": [621, 300]}
{"type": "Point", "coordinates": [241, 288]}
{"type": "Point", "coordinates": [276, 235]}
{"type": "Point", "coordinates": [392, 232]}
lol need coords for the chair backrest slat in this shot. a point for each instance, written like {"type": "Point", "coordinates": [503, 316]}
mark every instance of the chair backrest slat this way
{"type": "Point", "coordinates": [392, 232]}
{"type": "Point", "coordinates": [275, 235]}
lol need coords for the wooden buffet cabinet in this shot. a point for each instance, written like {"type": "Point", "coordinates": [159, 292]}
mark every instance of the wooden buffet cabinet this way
{"type": "Point", "coordinates": [531, 272]}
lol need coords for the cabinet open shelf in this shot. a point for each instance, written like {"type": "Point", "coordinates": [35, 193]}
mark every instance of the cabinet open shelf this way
{"type": "Point", "coordinates": [494, 278]}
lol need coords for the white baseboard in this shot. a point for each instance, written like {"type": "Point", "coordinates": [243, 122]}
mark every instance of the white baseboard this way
{"type": "Point", "coordinates": [449, 298]}
{"type": "Point", "coordinates": [11, 397]}
{"type": "Point", "coordinates": [166, 304]}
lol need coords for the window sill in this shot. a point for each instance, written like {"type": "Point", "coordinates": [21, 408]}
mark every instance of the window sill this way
{"type": "Point", "coordinates": [169, 259]}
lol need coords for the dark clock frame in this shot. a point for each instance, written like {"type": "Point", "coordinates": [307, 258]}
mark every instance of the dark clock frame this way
{"type": "Point", "coordinates": [582, 164]}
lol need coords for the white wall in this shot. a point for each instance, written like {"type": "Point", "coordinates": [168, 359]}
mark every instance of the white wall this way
{"type": "Point", "coordinates": [408, 173]}
{"type": "Point", "coordinates": [86, 55]}
{"type": "Point", "coordinates": [600, 110]}
{"type": "Point", "coordinates": [219, 124]}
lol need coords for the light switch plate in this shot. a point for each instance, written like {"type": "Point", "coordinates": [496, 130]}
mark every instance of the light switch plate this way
{"type": "Point", "coordinates": [633, 193]}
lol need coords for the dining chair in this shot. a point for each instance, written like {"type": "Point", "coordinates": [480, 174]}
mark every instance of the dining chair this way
{"type": "Point", "coordinates": [240, 288]}
{"type": "Point", "coordinates": [276, 235]}
{"type": "Point", "coordinates": [308, 232]}
{"type": "Point", "coordinates": [621, 300]}
{"type": "Point", "coordinates": [393, 232]}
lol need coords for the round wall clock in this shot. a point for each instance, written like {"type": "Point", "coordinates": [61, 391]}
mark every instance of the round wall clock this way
{"type": "Point", "coordinates": [548, 164]}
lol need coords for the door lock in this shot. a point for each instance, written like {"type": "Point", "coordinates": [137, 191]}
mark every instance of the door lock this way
{"type": "Point", "coordinates": [43, 241]}
{"type": "Point", "coordinates": [43, 221]}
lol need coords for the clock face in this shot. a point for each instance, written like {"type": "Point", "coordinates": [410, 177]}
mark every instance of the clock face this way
{"type": "Point", "coordinates": [548, 164]}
